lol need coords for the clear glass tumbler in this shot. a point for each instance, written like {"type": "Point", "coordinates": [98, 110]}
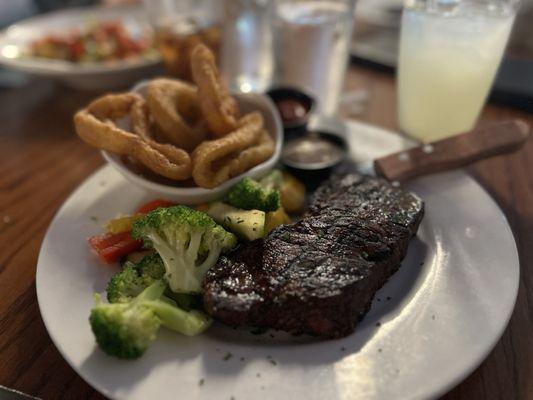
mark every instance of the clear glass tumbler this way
{"type": "Point", "coordinates": [450, 51]}
{"type": "Point", "coordinates": [313, 41]}
{"type": "Point", "coordinates": [247, 54]}
{"type": "Point", "coordinates": [181, 24]}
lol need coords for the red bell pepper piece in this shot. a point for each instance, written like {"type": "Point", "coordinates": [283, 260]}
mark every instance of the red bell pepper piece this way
{"type": "Point", "coordinates": [111, 247]}
{"type": "Point", "coordinates": [154, 204]}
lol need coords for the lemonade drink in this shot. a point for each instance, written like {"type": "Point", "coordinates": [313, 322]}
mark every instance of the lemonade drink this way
{"type": "Point", "coordinates": [448, 59]}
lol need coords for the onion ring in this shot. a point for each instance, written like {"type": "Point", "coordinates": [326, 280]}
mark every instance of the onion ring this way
{"type": "Point", "coordinates": [175, 109]}
{"type": "Point", "coordinates": [218, 108]}
{"type": "Point", "coordinates": [215, 161]}
{"type": "Point", "coordinates": [140, 123]}
{"type": "Point", "coordinates": [94, 126]}
{"type": "Point", "coordinates": [254, 155]}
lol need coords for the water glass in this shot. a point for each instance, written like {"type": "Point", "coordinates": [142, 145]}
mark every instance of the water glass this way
{"type": "Point", "coordinates": [313, 40]}
{"type": "Point", "coordinates": [247, 54]}
{"type": "Point", "coordinates": [450, 51]}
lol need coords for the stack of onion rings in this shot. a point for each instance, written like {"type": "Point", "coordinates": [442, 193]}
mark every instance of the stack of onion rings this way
{"type": "Point", "coordinates": [175, 120]}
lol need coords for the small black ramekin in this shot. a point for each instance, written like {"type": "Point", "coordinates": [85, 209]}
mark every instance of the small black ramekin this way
{"type": "Point", "coordinates": [313, 174]}
{"type": "Point", "coordinates": [298, 126]}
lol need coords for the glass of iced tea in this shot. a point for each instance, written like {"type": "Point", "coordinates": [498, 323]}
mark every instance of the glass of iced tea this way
{"type": "Point", "coordinates": [181, 24]}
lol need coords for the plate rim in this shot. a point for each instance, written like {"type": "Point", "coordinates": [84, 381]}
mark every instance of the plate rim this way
{"type": "Point", "coordinates": [483, 356]}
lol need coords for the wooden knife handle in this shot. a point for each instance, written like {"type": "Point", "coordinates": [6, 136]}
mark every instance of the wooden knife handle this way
{"type": "Point", "coordinates": [456, 151]}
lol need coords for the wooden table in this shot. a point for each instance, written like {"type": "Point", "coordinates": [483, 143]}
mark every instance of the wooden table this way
{"type": "Point", "coordinates": [42, 161]}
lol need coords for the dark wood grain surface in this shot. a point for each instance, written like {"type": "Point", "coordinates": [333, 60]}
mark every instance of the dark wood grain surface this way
{"type": "Point", "coordinates": [42, 161]}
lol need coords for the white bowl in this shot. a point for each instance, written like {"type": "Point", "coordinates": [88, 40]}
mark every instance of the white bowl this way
{"type": "Point", "coordinates": [15, 40]}
{"type": "Point", "coordinates": [195, 195]}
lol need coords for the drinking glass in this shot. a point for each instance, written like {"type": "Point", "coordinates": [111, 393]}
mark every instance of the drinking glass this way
{"type": "Point", "coordinates": [247, 54]}
{"type": "Point", "coordinates": [313, 40]}
{"type": "Point", "coordinates": [181, 24]}
{"type": "Point", "coordinates": [450, 51]}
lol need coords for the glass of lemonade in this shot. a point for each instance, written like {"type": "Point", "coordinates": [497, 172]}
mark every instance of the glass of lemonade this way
{"type": "Point", "coordinates": [313, 38]}
{"type": "Point", "coordinates": [450, 51]}
{"type": "Point", "coordinates": [181, 24]}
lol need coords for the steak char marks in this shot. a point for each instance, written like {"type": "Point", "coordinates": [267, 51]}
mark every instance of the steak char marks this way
{"type": "Point", "coordinates": [319, 275]}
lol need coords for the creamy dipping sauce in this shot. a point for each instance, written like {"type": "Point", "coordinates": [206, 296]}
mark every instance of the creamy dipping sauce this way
{"type": "Point", "coordinates": [312, 152]}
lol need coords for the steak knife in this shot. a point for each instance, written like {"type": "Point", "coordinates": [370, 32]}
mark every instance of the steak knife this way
{"type": "Point", "coordinates": [453, 152]}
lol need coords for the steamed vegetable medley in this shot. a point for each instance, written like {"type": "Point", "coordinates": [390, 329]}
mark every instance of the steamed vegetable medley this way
{"type": "Point", "coordinates": [166, 250]}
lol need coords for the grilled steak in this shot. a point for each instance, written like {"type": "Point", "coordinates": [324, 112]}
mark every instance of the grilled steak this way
{"type": "Point", "coordinates": [318, 275]}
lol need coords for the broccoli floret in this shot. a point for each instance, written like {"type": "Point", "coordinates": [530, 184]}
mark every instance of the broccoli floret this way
{"type": "Point", "coordinates": [273, 180]}
{"type": "Point", "coordinates": [188, 241]}
{"type": "Point", "coordinates": [126, 284]}
{"type": "Point", "coordinates": [134, 278]}
{"type": "Point", "coordinates": [125, 330]}
{"type": "Point", "coordinates": [151, 267]}
{"type": "Point", "coordinates": [249, 194]}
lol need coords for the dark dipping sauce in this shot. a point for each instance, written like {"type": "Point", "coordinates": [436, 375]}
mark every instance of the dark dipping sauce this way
{"type": "Point", "coordinates": [291, 110]}
{"type": "Point", "coordinates": [294, 107]}
{"type": "Point", "coordinates": [312, 151]}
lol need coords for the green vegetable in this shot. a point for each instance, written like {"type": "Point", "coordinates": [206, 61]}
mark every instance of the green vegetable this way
{"type": "Point", "coordinates": [137, 256]}
{"type": "Point", "coordinates": [272, 181]}
{"type": "Point", "coordinates": [134, 278]}
{"type": "Point", "coordinates": [247, 224]}
{"type": "Point", "coordinates": [188, 241]}
{"type": "Point", "coordinates": [291, 190]}
{"type": "Point", "coordinates": [126, 330]}
{"type": "Point", "coordinates": [249, 194]}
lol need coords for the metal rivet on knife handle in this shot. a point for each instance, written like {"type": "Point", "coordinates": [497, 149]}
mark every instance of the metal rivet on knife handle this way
{"type": "Point", "coordinates": [454, 152]}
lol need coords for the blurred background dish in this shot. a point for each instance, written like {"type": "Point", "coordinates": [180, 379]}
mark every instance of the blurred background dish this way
{"type": "Point", "coordinates": [92, 71]}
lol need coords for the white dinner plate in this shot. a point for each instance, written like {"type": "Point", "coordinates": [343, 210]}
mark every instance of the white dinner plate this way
{"type": "Point", "coordinates": [429, 326]}
{"type": "Point", "coordinates": [16, 38]}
